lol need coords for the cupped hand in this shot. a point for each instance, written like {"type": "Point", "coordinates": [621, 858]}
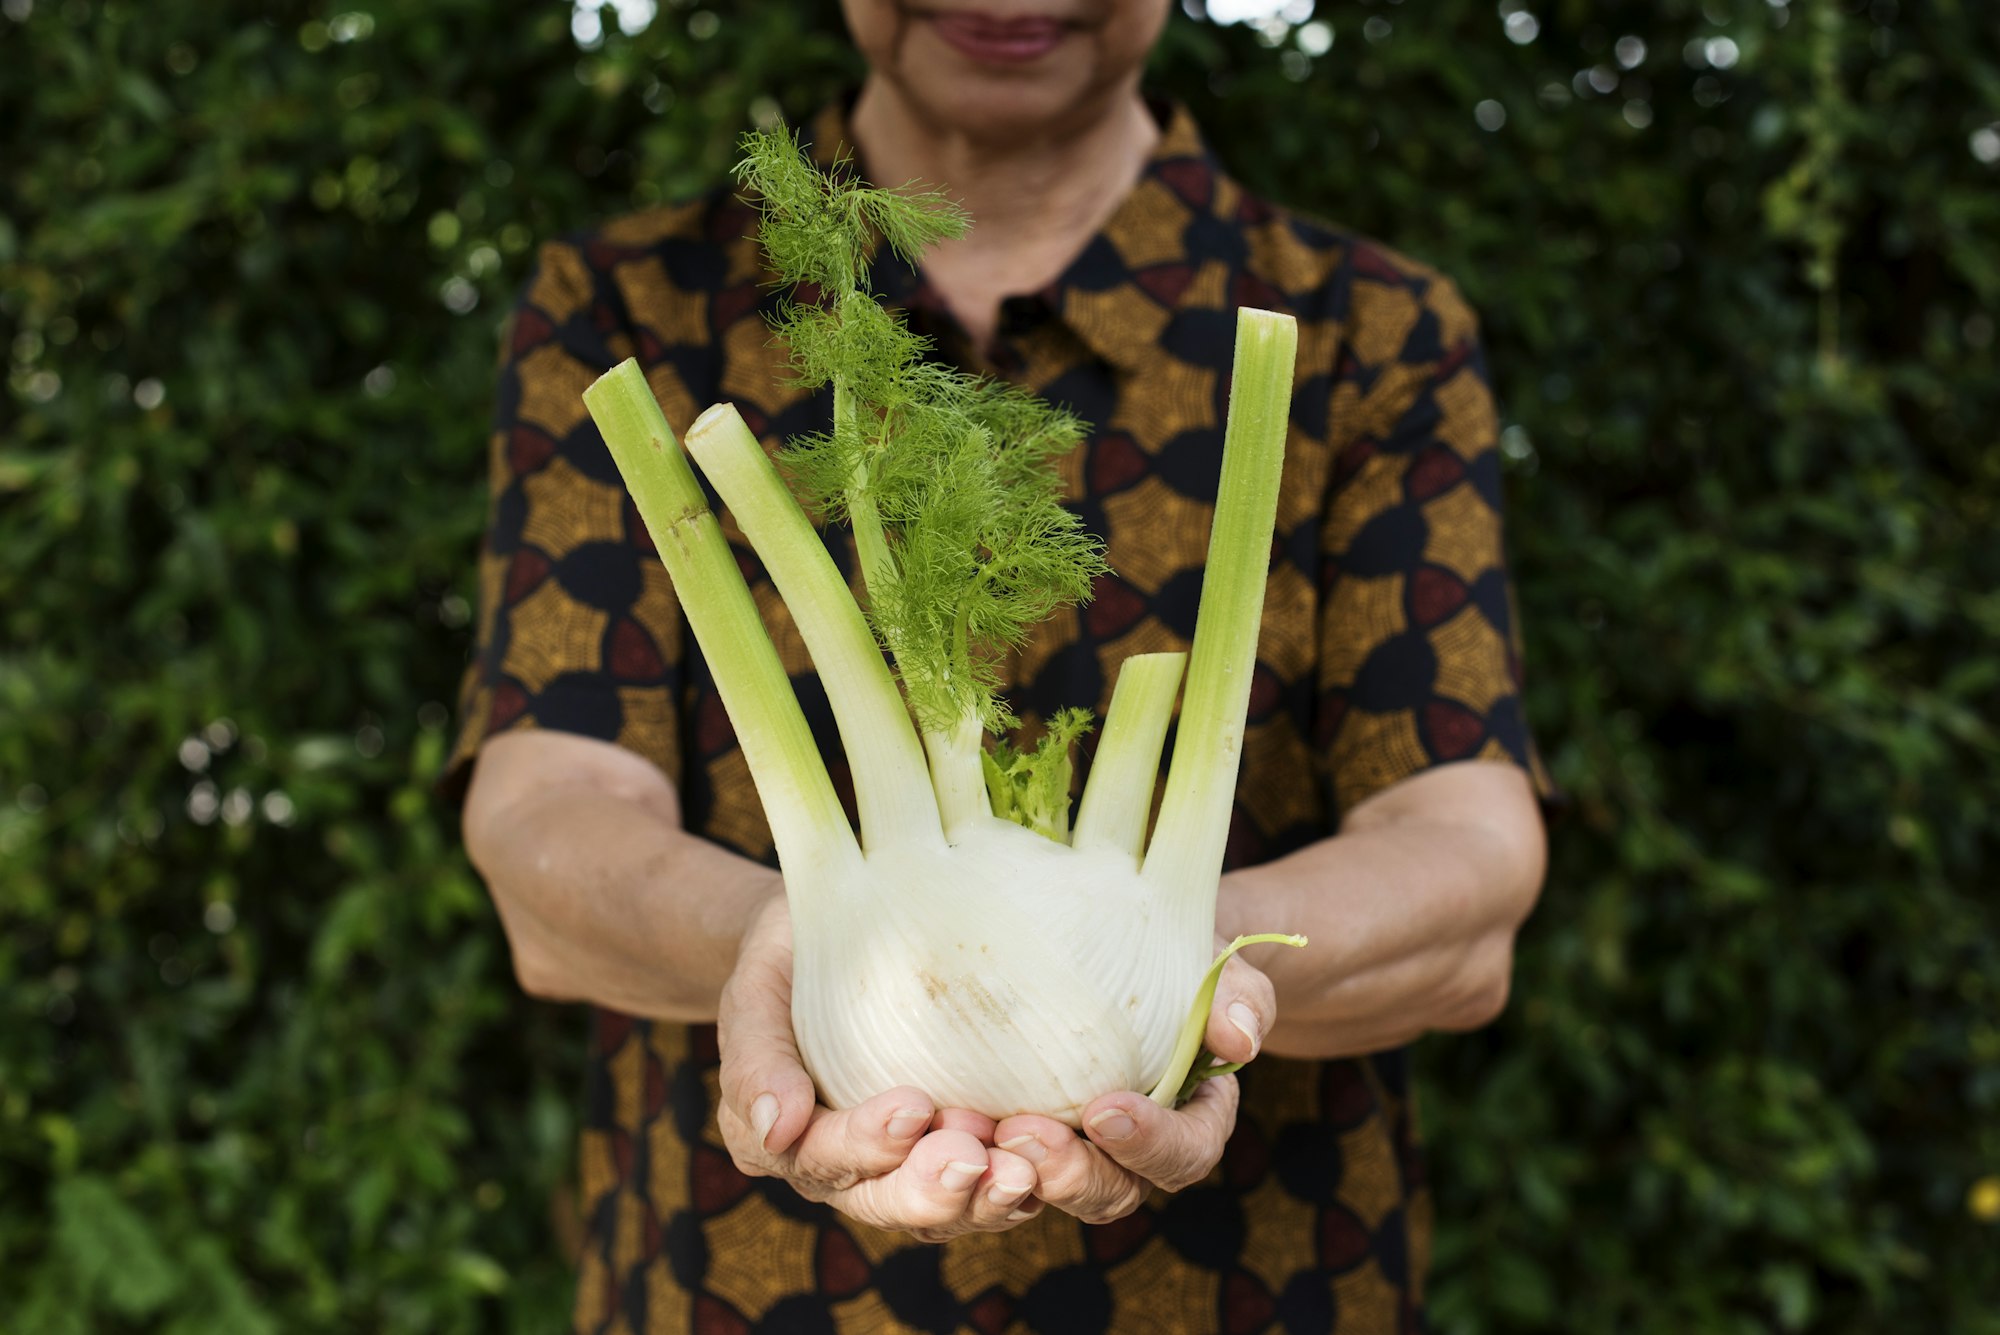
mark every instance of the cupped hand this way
{"type": "Point", "coordinates": [895, 1162]}
{"type": "Point", "coordinates": [1134, 1144]}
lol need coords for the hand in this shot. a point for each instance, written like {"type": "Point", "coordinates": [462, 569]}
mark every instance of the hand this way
{"type": "Point", "coordinates": [895, 1162]}
{"type": "Point", "coordinates": [1134, 1144]}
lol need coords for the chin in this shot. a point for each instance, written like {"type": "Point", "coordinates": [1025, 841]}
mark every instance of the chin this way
{"type": "Point", "coordinates": [996, 97]}
{"type": "Point", "coordinates": [1009, 110]}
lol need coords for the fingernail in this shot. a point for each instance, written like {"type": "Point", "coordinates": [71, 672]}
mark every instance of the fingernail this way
{"type": "Point", "coordinates": [1028, 1147]}
{"type": "Point", "coordinates": [1004, 1194]}
{"type": "Point", "coordinates": [959, 1176]}
{"type": "Point", "coordinates": [1019, 1215]}
{"type": "Point", "coordinates": [1113, 1124]}
{"type": "Point", "coordinates": [907, 1122]}
{"type": "Point", "coordinates": [764, 1115]}
{"type": "Point", "coordinates": [1245, 1019]}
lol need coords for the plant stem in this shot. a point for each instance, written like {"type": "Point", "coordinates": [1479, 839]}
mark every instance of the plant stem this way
{"type": "Point", "coordinates": [871, 546]}
{"type": "Point", "coordinates": [957, 774]}
{"type": "Point", "coordinates": [890, 784]}
{"type": "Point", "coordinates": [1118, 797]}
{"type": "Point", "coordinates": [1174, 1084]}
{"type": "Point", "coordinates": [807, 822]}
{"type": "Point", "coordinates": [1185, 858]}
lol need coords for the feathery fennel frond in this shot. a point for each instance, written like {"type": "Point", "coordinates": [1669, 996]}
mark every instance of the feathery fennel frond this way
{"type": "Point", "coordinates": [817, 228]}
{"type": "Point", "coordinates": [1031, 788]}
{"type": "Point", "coordinates": [953, 470]}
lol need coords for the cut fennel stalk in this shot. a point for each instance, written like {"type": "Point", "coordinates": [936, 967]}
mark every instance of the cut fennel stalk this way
{"type": "Point", "coordinates": [1184, 1071]}
{"type": "Point", "coordinates": [995, 967]}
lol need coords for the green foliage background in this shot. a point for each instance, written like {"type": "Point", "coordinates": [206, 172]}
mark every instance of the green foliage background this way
{"type": "Point", "coordinates": [262, 1066]}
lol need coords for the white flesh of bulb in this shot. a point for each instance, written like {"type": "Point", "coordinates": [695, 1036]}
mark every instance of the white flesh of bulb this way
{"type": "Point", "coordinates": [1005, 974]}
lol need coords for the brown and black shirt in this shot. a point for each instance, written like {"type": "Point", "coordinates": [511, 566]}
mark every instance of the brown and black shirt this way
{"type": "Point", "coordinates": [1387, 646]}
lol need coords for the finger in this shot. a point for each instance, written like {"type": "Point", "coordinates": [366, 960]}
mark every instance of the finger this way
{"type": "Point", "coordinates": [977, 1125]}
{"type": "Point", "coordinates": [1245, 1007]}
{"type": "Point", "coordinates": [1031, 1136]}
{"type": "Point", "coordinates": [1172, 1149]}
{"type": "Point", "coordinates": [1071, 1174]}
{"type": "Point", "coordinates": [840, 1148]}
{"type": "Point", "coordinates": [930, 1190]}
{"type": "Point", "coordinates": [762, 1078]}
{"type": "Point", "coordinates": [1001, 1199]}
{"type": "Point", "coordinates": [746, 1145]}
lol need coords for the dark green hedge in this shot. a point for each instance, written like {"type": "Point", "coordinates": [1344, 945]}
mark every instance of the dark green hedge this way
{"type": "Point", "coordinates": [262, 1066]}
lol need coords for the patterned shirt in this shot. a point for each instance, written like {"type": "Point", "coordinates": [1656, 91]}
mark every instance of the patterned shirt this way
{"type": "Point", "coordinates": [1386, 647]}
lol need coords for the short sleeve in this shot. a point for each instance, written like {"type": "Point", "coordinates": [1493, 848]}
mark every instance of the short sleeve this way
{"type": "Point", "coordinates": [578, 627]}
{"type": "Point", "coordinates": [1419, 656]}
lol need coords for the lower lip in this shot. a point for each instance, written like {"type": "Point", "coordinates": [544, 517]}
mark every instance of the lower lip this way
{"type": "Point", "coordinates": [996, 42]}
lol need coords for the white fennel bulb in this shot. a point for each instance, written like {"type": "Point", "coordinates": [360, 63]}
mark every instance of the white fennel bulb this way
{"type": "Point", "coordinates": [1004, 972]}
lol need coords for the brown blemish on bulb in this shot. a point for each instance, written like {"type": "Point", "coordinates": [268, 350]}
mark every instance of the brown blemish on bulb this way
{"type": "Point", "coordinates": [965, 998]}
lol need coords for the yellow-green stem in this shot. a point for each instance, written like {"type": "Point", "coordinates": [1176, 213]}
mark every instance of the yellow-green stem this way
{"type": "Point", "coordinates": [1185, 857]}
{"type": "Point", "coordinates": [871, 545]}
{"type": "Point", "coordinates": [957, 774]}
{"type": "Point", "coordinates": [1118, 797]}
{"type": "Point", "coordinates": [1174, 1084]}
{"type": "Point", "coordinates": [890, 784]}
{"type": "Point", "coordinates": [807, 822]}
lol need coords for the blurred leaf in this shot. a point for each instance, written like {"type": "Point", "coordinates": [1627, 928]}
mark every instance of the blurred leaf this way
{"type": "Point", "coordinates": [111, 1248]}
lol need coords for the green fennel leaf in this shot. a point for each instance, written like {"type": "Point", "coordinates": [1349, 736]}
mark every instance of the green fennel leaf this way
{"type": "Point", "coordinates": [947, 478]}
{"type": "Point", "coordinates": [1031, 788]}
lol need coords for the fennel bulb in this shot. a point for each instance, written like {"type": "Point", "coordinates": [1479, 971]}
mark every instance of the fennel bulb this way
{"type": "Point", "coordinates": [1002, 965]}
{"type": "Point", "coordinates": [1002, 972]}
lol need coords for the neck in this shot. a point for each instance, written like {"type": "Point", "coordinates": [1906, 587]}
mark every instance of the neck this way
{"type": "Point", "coordinates": [1036, 198]}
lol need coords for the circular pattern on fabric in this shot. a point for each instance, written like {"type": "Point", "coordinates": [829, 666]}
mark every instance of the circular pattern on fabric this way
{"type": "Point", "coordinates": [1072, 1301]}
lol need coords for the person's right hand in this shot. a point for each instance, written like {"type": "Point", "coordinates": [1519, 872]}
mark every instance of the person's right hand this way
{"type": "Point", "coordinates": [895, 1162]}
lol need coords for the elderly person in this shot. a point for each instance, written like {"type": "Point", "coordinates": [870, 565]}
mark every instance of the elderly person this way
{"type": "Point", "coordinates": [1386, 806]}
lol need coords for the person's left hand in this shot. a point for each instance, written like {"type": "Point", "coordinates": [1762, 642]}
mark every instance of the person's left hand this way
{"type": "Point", "coordinates": [1134, 1144]}
{"type": "Point", "coordinates": [894, 1162]}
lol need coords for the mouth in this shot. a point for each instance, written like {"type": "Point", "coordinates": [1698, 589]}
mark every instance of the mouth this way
{"type": "Point", "coordinates": [999, 41]}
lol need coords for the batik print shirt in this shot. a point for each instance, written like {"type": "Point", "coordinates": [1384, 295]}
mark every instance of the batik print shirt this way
{"type": "Point", "coordinates": [1386, 647]}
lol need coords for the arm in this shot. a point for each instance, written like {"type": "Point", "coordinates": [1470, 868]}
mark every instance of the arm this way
{"type": "Point", "coordinates": [580, 843]}
{"type": "Point", "coordinates": [1412, 910]}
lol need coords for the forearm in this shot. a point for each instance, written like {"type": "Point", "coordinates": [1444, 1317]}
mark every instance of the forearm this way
{"type": "Point", "coordinates": [603, 896]}
{"type": "Point", "coordinates": [1412, 911]}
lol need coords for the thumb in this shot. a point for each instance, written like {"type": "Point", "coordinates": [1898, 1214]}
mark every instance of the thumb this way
{"type": "Point", "coordinates": [1245, 1008]}
{"type": "Point", "coordinates": [764, 1083]}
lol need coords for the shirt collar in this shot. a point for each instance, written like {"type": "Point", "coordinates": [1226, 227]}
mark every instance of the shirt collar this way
{"type": "Point", "coordinates": [1173, 237]}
